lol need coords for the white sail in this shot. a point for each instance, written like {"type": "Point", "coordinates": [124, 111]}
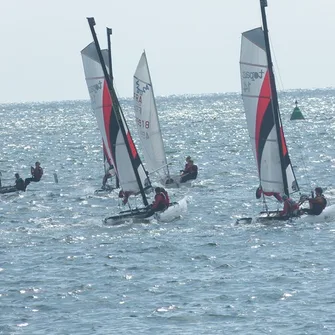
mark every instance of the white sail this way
{"type": "Point", "coordinates": [147, 120]}
{"type": "Point", "coordinates": [96, 87]}
{"type": "Point", "coordinates": [259, 111]}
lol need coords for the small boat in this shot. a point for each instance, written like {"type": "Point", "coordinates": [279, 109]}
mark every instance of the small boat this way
{"type": "Point", "coordinates": [259, 93]}
{"type": "Point", "coordinates": [6, 189]}
{"type": "Point", "coordinates": [148, 126]}
{"type": "Point", "coordinates": [121, 150]}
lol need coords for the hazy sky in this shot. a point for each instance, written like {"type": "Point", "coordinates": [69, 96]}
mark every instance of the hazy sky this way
{"type": "Point", "coordinates": [192, 46]}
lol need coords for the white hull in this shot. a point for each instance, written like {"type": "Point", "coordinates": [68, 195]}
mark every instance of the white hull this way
{"type": "Point", "coordinates": [174, 212]}
{"type": "Point", "coordinates": [328, 215]}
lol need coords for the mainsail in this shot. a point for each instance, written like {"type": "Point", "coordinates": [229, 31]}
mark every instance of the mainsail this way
{"type": "Point", "coordinates": [118, 143]}
{"type": "Point", "coordinates": [263, 117]}
{"type": "Point", "coordinates": [147, 120]}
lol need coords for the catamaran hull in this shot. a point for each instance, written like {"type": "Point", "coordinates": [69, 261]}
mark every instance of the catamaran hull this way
{"type": "Point", "coordinates": [8, 189]}
{"type": "Point", "coordinates": [139, 214]}
{"type": "Point", "coordinates": [105, 190]}
{"type": "Point", "coordinates": [264, 217]}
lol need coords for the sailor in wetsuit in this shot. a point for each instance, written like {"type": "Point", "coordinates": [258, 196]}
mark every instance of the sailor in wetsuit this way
{"type": "Point", "coordinates": [316, 204]}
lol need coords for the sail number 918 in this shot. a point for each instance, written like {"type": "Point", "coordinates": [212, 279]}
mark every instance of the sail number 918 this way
{"type": "Point", "coordinates": [142, 123]}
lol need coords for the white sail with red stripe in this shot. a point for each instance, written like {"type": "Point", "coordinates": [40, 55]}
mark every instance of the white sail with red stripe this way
{"type": "Point", "coordinates": [263, 118]}
{"type": "Point", "coordinates": [117, 143]}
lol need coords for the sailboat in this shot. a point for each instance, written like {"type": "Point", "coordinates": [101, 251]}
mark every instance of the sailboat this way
{"type": "Point", "coordinates": [118, 143]}
{"type": "Point", "coordinates": [148, 126]}
{"type": "Point", "coordinates": [259, 94]}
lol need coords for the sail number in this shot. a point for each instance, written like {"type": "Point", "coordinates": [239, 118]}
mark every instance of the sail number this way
{"type": "Point", "coordinates": [142, 123]}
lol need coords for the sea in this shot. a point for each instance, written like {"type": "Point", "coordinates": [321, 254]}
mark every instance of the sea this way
{"type": "Point", "coordinates": [63, 271]}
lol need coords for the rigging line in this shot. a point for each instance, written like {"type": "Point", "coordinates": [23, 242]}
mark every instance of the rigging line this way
{"type": "Point", "coordinates": [282, 86]}
{"type": "Point", "coordinates": [277, 67]}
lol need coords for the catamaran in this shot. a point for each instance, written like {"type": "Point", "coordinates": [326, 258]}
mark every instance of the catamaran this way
{"type": "Point", "coordinates": [259, 93]}
{"type": "Point", "coordinates": [118, 143]}
{"type": "Point", "coordinates": [148, 126]}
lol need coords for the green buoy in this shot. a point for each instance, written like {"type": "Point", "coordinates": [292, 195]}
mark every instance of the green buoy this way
{"type": "Point", "coordinates": [296, 114]}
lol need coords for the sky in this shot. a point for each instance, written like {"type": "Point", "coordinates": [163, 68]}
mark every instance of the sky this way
{"type": "Point", "coordinates": [192, 46]}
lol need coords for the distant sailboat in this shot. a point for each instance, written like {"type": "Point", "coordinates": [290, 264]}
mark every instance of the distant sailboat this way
{"type": "Point", "coordinates": [118, 142]}
{"type": "Point", "coordinates": [148, 126]}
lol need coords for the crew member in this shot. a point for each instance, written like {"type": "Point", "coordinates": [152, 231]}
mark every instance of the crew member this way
{"type": "Point", "coordinates": [19, 183]}
{"type": "Point", "coordinates": [36, 172]}
{"type": "Point", "coordinates": [159, 203]}
{"type": "Point", "coordinates": [316, 204]}
{"type": "Point", "coordinates": [291, 208]}
{"type": "Point", "coordinates": [190, 173]}
{"type": "Point", "coordinates": [108, 175]}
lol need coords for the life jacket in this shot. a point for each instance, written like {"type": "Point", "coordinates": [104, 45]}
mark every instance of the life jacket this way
{"type": "Point", "coordinates": [37, 173]}
{"type": "Point", "coordinates": [293, 206]}
{"type": "Point", "coordinates": [194, 169]}
{"type": "Point", "coordinates": [166, 197]}
{"type": "Point", "coordinates": [160, 201]}
{"type": "Point", "coordinates": [318, 204]}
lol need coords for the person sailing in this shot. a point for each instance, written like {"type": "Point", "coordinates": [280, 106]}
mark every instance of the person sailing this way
{"type": "Point", "coordinates": [160, 202]}
{"type": "Point", "coordinates": [187, 162]}
{"type": "Point", "coordinates": [316, 204]}
{"type": "Point", "coordinates": [110, 173]}
{"type": "Point", "coordinates": [36, 172]}
{"type": "Point", "coordinates": [291, 208]}
{"type": "Point", "coordinates": [190, 173]}
{"type": "Point", "coordinates": [19, 183]}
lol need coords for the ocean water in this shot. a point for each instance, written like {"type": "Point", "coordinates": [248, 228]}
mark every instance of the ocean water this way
{"type": "Point", "coordinates": [62, 271]}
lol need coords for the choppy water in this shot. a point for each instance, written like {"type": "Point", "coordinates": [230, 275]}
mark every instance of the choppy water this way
{"type": "Point", "coordinates": [63, 272]}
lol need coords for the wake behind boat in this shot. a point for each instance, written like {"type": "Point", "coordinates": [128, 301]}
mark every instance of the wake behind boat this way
{"type": "Point", "coordinates": [123, 155]}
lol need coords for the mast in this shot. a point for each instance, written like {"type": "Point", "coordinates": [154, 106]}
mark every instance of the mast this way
{"type": "Point", "coordinates": [109, 33]}
{"type": "Point", "coordinates": [274, 99]}
{"type": "Point", "coordinates": [118, 111]}
{"type": "Point", "coordinates": [153, 94]}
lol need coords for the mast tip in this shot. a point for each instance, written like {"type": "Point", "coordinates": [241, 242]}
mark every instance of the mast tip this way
{"type": "Point", "coordinates": [91, 20]}
{"type": "Point", "coordinates": [264, 3]}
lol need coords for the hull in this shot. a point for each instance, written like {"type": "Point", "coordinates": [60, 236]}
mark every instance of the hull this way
{"type": "Point", "coordinates": [8, 189]}
{"type": "Point", "coordinates": [174, 211]}
{"type": "Point", "coordinates": [171, 182]}
{"type": "Point", "coordinates": [106, 190]}
{"type": "Point", "coordinates": [265, 217]}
